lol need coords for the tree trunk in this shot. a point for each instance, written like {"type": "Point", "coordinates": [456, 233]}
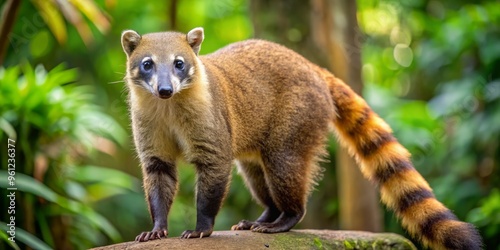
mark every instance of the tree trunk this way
{"type": "Point", "coordinates": [8, 17]}
{"type": "Point", "coordinates": [172, 14]}
{"type": "Point", "coordinates": [335, 28]}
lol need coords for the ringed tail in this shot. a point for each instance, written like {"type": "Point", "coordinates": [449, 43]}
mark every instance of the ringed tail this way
{"type": "Point", "coordinates": [386, 162]}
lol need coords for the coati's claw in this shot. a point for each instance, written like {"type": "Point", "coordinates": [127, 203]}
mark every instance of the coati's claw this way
{"type": "Point", "coordinates": [195, 234]}
{"type": "Point", "coordinates": [263, 228]}
{"type": "Point", "coordinates": [152, 235]}
{"type": "Point", "coordinates": [273, 227]}
{"type": "Point", "coordinates": [244, 225]}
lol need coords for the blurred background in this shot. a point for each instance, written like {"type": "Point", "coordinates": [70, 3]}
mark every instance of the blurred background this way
{"type": "Point", "coordinates": [430, 68]}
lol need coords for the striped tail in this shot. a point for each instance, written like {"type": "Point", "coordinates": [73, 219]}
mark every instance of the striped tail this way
{"type": "Point", "coordinates": [386, 162]}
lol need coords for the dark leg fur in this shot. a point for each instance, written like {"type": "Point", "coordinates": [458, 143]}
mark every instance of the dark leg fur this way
{"type": "Point", "coordinates": [284, 223]}
{"type": "Point", "coordinates": [160, 185]}
{"type": "Point", "coordinates": [213, 180]}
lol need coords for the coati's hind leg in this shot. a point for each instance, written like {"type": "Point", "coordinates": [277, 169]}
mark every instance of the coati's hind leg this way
{"type": "Point", "coordinates": [255, 180]}
{"type": "Point", "coordinates": [290, 156]}
{"type": "Point", "coordinates": [289, 179]}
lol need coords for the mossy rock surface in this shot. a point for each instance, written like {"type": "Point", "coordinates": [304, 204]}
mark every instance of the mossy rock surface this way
{"type": "Point", "coordinates": [295, 239]}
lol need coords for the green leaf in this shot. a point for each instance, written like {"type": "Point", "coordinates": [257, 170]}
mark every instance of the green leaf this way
{"type": "Point", "coordinates": [28, 184]}
{"type": "Point", "coordinates": [8, 87]}
{"type": "Point", "coordinates": [75, 18]}
{"type": "Point", "coordinates": [101, 124]}
{"type": "Point", "coordinates": [106, 176]}
{"type": "Point", "coordinates": [25, 237]}
{"type": "Point", "coordinates": [6, 127]}
{"type": "Point", "coordinates": [59, 78]}
{"type": "Point", "coordinates": [53, 19]}
{"type": "Point", "coordinates": [4, 237]}
{"type": "Point", "coordinates": [93, 13]}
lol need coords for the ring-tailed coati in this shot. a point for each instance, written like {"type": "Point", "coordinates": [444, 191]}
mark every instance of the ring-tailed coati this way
{"type": "Point", "coordinates": [271, 110]}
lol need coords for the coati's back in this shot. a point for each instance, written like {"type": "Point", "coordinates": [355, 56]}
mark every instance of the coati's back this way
{"type": "Point", "coordinates": [274, 108]}
{"type": "Point", "coordinates": [260, 78]}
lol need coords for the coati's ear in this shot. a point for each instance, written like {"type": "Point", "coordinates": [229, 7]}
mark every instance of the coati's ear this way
{"type": "Point", "coordinates": [130, 40]}
{"type": "Point", "coordinates": [195, 38]}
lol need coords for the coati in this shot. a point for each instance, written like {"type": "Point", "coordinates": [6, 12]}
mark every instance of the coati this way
{"type": "Point", "coordinates": [271, 110]}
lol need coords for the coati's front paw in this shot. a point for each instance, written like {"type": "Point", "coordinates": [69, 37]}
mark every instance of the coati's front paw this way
{"type": "Point", "coordinates": [195, 234]}
{"type": "Point", "coordinates": [244, 225]}
{"type": "Point", "coordinates": [152, 235]}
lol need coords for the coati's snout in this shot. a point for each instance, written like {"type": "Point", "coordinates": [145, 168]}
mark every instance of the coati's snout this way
{"type": "Point", "coordinates": [165, 91]}
{"type": "Point", "coordinates": [162, 63]}
{"type": "Point", "coordinates": [164, 88]}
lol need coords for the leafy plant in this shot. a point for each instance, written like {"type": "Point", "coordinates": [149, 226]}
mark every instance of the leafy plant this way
{"type": "Point", "coordinates": [54, 13]}
{"type": "Point", "coordinates": [56, 126]}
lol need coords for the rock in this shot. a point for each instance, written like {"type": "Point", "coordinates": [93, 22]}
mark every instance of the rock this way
{"type": "Point", "coordinates": [295, 239]}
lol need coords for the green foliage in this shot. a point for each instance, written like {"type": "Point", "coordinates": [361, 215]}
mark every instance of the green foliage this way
{"type": "Point", "coordinates": [39, 102]}
{"type": "Point", "coordinates": [29, 185]}
{"type": "Point", "coordinates": [4, 237]}
{"type": "Point", "coordinates": [53, 13]}
{"type": "Point", "coordinates": [55, 124]}
{"type": "Point", "coordinates": [24, 237]}
{"type": "Point", "coordinates": [487, 215]}
{"type": "Point", "coordinates": [449, 115]}
{"type": "Point", "coordinates": [217, 18]}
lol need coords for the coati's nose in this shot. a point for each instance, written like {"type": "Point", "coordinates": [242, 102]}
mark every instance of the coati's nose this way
{"type": "Point", "coordinates": [165, 91]}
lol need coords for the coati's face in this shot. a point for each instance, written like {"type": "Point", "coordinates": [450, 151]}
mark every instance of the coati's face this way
{"type": "Point", "coordinates": [162, 63]}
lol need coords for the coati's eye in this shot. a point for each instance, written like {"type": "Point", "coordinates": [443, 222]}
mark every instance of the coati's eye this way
{"type": "Point", "coordinates": [147, 65]}
{"type": "Point", "coordinates": [178, 64]}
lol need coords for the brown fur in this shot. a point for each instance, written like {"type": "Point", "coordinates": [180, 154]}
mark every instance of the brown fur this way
{"type": "Point", "coordinates": [270, 109]}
